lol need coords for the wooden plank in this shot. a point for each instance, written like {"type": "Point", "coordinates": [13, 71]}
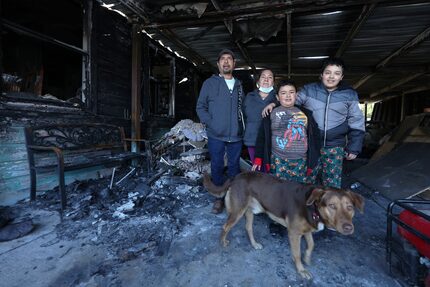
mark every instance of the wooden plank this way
{"type": "Point", "coordinates": [14, 189]}
{"type": "Point", "coordinates": [13, 169]}
{"type": "Point", "coordinates": [10, 152]}
{"type": "Point", "coordinates": [11, 135]}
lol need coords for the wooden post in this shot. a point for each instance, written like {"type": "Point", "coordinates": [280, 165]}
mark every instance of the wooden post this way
{"type": "Point", "coordinates": [86, 58]}
{"type": "Point", "coordinates": [146, 95]}
{"type": "Point", "coordinates": [135, 87]}
{"type": "Point", "coordinates": [172, 87]}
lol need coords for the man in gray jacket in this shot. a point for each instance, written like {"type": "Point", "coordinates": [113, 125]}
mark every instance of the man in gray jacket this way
{"type": "Point", "coordinates": [335, 109]}
{"type": "Point", "coordinates": [219, 108]}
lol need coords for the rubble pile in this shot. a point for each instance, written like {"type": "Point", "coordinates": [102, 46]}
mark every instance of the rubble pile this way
{"type": "Point", "coordinates": [142, 214]}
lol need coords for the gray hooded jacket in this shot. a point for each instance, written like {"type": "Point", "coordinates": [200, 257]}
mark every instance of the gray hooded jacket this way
{"type": "Point", "coordinates": [337, 114]}
{"type": "Point", "coordinates": [218, 109]}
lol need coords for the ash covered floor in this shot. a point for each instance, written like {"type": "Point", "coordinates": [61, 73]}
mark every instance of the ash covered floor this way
{"type": "Point", "coordinates": [159, 231]}
{"type": "Point", "coordinates": [165, 235]}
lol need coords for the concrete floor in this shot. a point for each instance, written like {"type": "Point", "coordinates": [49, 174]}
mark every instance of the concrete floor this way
{"type": "Point", "coordinates": [172, 239]}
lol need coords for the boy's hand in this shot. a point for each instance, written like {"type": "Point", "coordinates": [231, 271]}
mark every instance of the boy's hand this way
{"type": "Point", "coordinates": [256, 167]}
{"type": "Point", "coordinates": [350, 156]}
{"type": "Point", "coordinates": [258, 161]}
{"type": "Point", "coordinates": [267, 110]}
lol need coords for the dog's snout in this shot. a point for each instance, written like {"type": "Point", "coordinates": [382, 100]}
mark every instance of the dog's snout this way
{"type": "Point", "coordinates": [348, 227]}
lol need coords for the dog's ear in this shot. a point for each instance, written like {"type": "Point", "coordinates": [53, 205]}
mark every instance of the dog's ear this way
{"type": "Point", "coordinates": [315, 196]}
{"type": "Point", "coordinates": [357, 200]}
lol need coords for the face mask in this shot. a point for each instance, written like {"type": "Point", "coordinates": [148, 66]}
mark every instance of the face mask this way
{"type": "Point", "coordinates": [265, 90]}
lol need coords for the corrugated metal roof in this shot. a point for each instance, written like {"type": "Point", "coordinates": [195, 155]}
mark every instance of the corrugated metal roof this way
{"type": "Point", "coordinates": [318, 28]}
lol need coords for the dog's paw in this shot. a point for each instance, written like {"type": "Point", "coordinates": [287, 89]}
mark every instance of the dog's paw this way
{"type": "Point", "coordinates": [257, 246]}
{"type": "Point", "coordinates": [305, 274]}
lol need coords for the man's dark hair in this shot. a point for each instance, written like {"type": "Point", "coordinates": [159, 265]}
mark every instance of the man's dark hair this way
{"type": "Point", "coordinates": [226, 51]}
{"type": "Point", "coordinates": [333, 62]}
{"type": "Point", "coordinates": [286, 82]}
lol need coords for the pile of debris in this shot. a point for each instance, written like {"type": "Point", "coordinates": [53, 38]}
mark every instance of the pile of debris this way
{"type": "Point", "coordinates": [141, 213]}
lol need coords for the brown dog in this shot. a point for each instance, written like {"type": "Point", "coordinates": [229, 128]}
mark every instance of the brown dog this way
{"type": "Point", "coordinates": [302, 209]}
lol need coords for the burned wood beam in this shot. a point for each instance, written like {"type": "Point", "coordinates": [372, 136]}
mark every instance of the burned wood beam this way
{"type": "Point", "coordinates": [246, 56]}
{"type": "Point", "coordinates": [136, 10]}
{"type": "Point", "coordinates": [146, 80]}
{"type": "Point", "coordinates": [168, 34]}
{"type": "Point", "coordinates": [418, 89]}
{"type": "Point", "coordinates": [289, 44]}
{"type": "Point", "coordinates": [86, 79]}
{"type": "Point", "coordinates": [135, 86]}
{"type": "Point", "coordinates": [365, 13]}
{"type": "Point", "coordinates": [239, 45]}
{"type": "Point", "coordinates": [172, 99]}
{"type": "Point", "coordinates": [382, 97]}
{"type": "Point", "coordinates": [396, 84]}
{"type": "Point", "coordinates": [200, 34]}
{"type": "Point", "coordinates": [302, 8]}
{"type": "Point", "coordinates": [39, 36]}
{"type": "Point", "coordinates": [402, 50]}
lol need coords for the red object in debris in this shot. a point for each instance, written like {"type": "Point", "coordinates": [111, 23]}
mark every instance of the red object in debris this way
{"type": "Point", "coordinates": [421, 225]}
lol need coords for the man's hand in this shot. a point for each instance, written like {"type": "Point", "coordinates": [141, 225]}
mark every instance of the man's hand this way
{"type": "Point", "coordinates": [267, 110]}
{"type": "Point", "coordinates": [350, 156]}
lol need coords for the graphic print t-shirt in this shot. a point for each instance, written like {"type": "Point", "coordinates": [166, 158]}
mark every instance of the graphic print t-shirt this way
{"type": "Point", "coordinates": [289, 136]}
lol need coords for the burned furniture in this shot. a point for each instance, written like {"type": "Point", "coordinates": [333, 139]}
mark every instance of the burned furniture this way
{"type": "Point", "coordinates": [410, 245]}
{"type": "Point", "coordinates": [74, 146]}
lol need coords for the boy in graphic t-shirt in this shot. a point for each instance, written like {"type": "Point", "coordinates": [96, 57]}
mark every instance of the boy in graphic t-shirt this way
{"type": "Point", "coordinates": [283, 138]}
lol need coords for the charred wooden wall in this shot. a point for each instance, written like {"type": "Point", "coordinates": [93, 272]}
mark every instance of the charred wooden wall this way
{"type": "Point", "coordinates": [110, 102]}
{"type": "Point", "coordinates": [111, 59]}
{"type": "Point", "coordinates": [15, 116]}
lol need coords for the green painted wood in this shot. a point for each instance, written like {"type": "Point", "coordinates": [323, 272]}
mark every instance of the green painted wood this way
{"type": "Point", "coordinates": [19, 187]}
{"type": "Point", "coordinates": [10, 152]}
{"type": "Point", "coordinates": [12, 134]}
{"type": "Point", "coordinates": [14, 173]}
{"type": "Point", "coordinates": [13, 169]}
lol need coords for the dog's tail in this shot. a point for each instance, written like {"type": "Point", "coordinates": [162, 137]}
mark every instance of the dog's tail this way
{"type": "Point", "coordinates": [217, 191]}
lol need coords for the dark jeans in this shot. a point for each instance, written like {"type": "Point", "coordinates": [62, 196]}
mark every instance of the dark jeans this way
{"type": "Point", "coordinates": [217, 150]}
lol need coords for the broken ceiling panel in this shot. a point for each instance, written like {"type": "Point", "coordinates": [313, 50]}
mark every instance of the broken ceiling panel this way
{"type": "Point", "coordinates": [262, 29]}
{"type": "Point", "coordinates": [186, 8]}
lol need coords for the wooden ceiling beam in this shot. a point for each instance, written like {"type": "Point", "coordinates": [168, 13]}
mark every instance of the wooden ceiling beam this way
{"type": "Point", "coordinates": [365, 13]}
{"type": "Point", "coordinates": [167, 33]}
{"type": "Point", "coordinates": [402, 50]}
{"type": "Point", "coordinates": [417, 89]}
{"type": "Point", "coordinates": [239, 45]}
{"type": "Point", "coordinates": [396, 84]}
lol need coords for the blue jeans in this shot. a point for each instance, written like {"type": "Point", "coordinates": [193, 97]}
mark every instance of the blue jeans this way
{"type": "Point", "coordinates": [217, 150]}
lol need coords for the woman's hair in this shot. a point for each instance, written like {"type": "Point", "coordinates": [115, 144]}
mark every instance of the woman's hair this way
{"type": "Point", "coordinates": [286, 82]}
{"type": "Point", "coordinates": [261, 72]}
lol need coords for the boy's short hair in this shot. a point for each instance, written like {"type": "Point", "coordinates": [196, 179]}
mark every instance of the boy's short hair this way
{"type": "Point", "coordinates": [285, 82]}
{"type": "Point", "coordinates": [333, 62]}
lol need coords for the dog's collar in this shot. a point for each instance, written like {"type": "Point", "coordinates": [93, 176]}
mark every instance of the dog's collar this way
{"type": "Point", "coordinates": [315, 217]}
